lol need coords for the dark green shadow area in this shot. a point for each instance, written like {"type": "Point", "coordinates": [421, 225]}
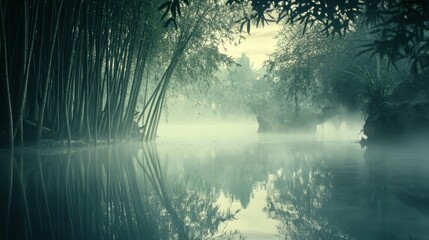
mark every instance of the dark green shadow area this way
{"type": "Point", "coordinates": [119, 192]}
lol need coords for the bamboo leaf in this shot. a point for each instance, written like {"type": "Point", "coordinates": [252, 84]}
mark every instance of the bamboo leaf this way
{"type": "Point", "coordinates": [165, 5]}
{"type": "Point", "coordinates": [178, 10]}
{"type": "Point", "coordinates": [174, 9]}
{"type": "Point", "coordinates": [175, 23]}
{"type": "Point", "coordinates": [165, 14]}
{"type": "Point", "coordinates": [242, 25]}
{"type": "Point", "coordinates": [167, 23]}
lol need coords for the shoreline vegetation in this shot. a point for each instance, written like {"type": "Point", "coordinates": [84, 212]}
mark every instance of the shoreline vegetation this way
{"type": "Point", "coordinates": [100, 69]}
{"type": "Point", "coordinates": [103, 70]}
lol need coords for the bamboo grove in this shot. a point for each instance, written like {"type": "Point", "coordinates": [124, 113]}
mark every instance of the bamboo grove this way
{"type": "Point", "coordinates": [97, 69]}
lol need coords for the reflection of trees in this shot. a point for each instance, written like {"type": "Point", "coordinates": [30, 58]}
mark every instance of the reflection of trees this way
{"type": "Point", "coordinates": [235, 172]}
{"type": "Point", "coordinates": [297, 199]}
{"type": "Point", "coordinates": [338, 196]}
{"type": "Point", "coordinates": [78, 195]}
{"type": "Point", "coordinates": [191, 206]}
{"type": "Point", "coordinates": [399, 191]}
{"type": "Point", "coordinates": [104, 193]}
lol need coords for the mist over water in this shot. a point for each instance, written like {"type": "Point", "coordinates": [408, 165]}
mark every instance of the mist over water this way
{"type": "Point", "coordinates": [246, 130]}
{"type": "Point", "coordinates": [340, 130]}
{"type": "Point", "coordinates": [219, 131]}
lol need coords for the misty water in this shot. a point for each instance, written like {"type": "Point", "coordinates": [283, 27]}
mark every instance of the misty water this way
{"type": "Point", "coordinates": [220, 182]}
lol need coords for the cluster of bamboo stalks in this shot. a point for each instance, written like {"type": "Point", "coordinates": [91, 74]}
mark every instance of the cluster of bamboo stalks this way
{"type": "Point", "coordinates": [88, 69]}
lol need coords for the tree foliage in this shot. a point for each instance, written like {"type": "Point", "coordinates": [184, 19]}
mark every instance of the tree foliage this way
{"type": "Point", "coordinates": [237, 90]}
{"type": "Point", "coordinates": [318, 77]}
{"type": "Point", "coordinates": [402, 25]}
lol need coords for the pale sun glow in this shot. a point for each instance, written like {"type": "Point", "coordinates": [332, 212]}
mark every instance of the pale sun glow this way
{"type": "Point", "coordinates": [257, 45]}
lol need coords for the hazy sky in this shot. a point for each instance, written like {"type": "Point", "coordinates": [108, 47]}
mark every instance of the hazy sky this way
{"type": "Point", "coordinates": [257, 45]}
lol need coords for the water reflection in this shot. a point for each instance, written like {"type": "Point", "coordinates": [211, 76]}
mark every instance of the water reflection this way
{"type": "Point", "coordinates": [191, 205]}
{"type": "Point", "coordinates": [106, 193]}
{"type": "Point", "coordinates": [317, 190]}
{"type": "Point", "coordinates": [284, 189]}
{"type": "Point", "coordinates": [399, 193]}
{"type": "Point", "coordinates": [298, 196]}
{"type": "Point", "coordinates": [384, 196]}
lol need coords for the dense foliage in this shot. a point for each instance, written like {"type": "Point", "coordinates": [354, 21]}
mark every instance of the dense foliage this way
{"type": "Point", "coordinates": [100, 69]}
{"type": "Point", "coordinates": [402, 25]}
{"type": "Point", "coordinates": [326, 76]}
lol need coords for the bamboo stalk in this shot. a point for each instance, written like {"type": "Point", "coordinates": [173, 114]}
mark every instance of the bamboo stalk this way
{"type": "Point", "coordinates": [45, 196]}
{"type": "Point", "coordinates": [48, 78]}
{"type": "Point", "coordinates": [6, 80]}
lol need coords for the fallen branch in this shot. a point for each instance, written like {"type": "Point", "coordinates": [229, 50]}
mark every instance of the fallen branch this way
{"type": "Point", "coordinates": [30, 123]}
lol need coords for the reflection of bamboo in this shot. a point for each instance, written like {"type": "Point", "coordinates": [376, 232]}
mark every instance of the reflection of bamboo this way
{"type": "Point", "coordinates": [67, 193]}
{"type": "Point", "coordinates": [11, 160]}
{"type": "Point", "coordinates": [45, 196]}
{"type": "Point", "coordinates": [79, 196]}
{"type": "Point", "coordinates": [152, 169]}
{"type": "Point", "coordinates": [24, 194]}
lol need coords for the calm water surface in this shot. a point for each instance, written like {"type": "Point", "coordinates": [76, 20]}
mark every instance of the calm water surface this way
{"type": "Point", "coordinates": [218, 183]}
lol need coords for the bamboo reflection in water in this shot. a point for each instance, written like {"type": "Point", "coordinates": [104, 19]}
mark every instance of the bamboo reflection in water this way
{"type": "Point", "coordinates": [90, 194]}
{"type": "Point", "coordinates": [107, 193]}
{"type": "Point", "coordinates": [9, 186]}
{"type": "Point", "coordinates": [152, 169]}
{"type": "Point", "coordinates": [190, 205]}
